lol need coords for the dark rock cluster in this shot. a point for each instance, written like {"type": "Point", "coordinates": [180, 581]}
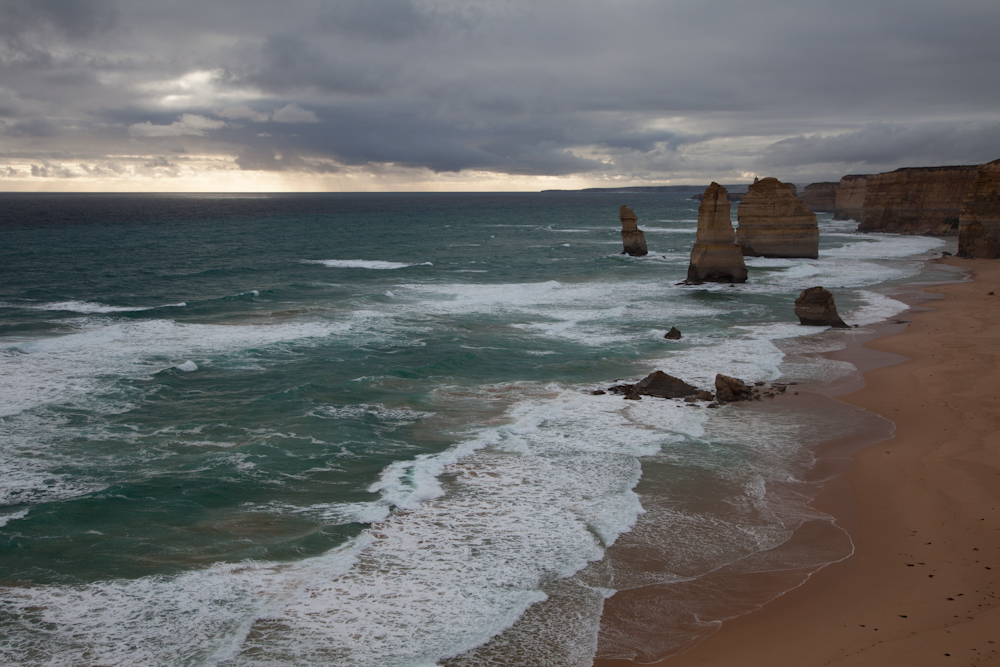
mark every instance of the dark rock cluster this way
{"type": "Point", "coordinates": [728, 389]}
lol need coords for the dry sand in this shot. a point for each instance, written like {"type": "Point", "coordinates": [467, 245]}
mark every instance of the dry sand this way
{"type": "Point", "coordinates": [921, 588]}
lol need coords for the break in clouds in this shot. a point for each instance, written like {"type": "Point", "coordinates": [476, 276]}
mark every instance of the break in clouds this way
{"type": "Point", "coordinates": [535, 92]}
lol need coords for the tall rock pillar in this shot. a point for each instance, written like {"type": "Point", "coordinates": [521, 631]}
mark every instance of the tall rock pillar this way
{"type": "Point", "coordinates": [716, 257]}
{"type": "Point", "coordinates": [633, 240]}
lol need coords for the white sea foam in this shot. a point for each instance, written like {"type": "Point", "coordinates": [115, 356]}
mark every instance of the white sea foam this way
{"type": "Point", "coordinates": [487, 524]}
{"type": "Point", "coordinates": [89, 307]}
{"type": "Point", "coordinates": [751, 357]}
{"type": "Point", "coordinates": [13, 516]}
{"type": "Point", "coordinates": [62, 368]}
{"type": "Point", "coordinates": [188, 366]}
{"type": "Point", "coordinates": [385, 415]}
{"type": "Point", "coordinates": [885, 246]}
{"type": "Point", "coordinates": [877, 307]}
{"type": "Point", "coordinates": [362, 264]}
{"type": "Point", "coordinates": [584, 313]}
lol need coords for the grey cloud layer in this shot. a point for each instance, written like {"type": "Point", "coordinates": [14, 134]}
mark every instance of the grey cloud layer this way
{"type": "Point", "coordinates": [637, 89]}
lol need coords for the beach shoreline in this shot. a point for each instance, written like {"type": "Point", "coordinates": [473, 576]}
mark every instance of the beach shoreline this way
{"type": "Point", "coordinates": [922, 507]}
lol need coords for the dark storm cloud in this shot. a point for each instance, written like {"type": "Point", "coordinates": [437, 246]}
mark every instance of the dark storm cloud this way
{"type": "Point", "coordinates": [286, 63]}
{"type": "Point", "coordinates": [71, 18]}
{"type": "Point", "coordinates": [639, 89]}
{"type": "Point", "coordinates": [384, 20]}
{"type": "Point", "coordinates": [34, 127]}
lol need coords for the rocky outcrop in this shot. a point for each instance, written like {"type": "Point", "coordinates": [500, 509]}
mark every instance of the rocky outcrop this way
{"type": "Point", "coordinates": [658, 384]}
{"type": "Point", "coordinates": [820, 197]}
{"type": "Point", "coordinates": [730, 389]}
{"type": "Point", "coordinates": [673, 334]}
{"type": "Point", "coordinates": [849, 202]}
{"type": "Point", "coordinates": [916, 200]}
{"type": "Point", "coordinates": [661, 385]}
{"type": "Point", "coordinates": [979, 221]}
{"type": "Point", "coordinates": [815, 308]}
{"type": "Point", "coordinates": [773, 222]}
{"type": "Point", "coordinates": [716, 257]}
{"type": "Point", "coordinates": [633, 240]}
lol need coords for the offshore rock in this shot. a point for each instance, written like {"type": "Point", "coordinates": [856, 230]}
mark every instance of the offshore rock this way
{"type": "Point", "coordinates": [673, 334]}
{"type": "Point", "coordinates": [849, 202]}
{"type": "Point", "coordinates": [917, 200]}
{"type": "Point", "coordinates": [661, 385]}
{"type": "Point", "coordinates": [773, 222]}
{"type": "Point", "coordinates": [657, 384]}
{"type": "Point", "coordinates": [633, 240]}
{"type": "Point", "coordinates": [815, 308]}
{"type": "Point", "coordinates": [820, 197]}
{"type": "Point", "coordinates": [979, 222]}
{"type": "Point", "coordinates": [729, 389]}
{"type": "Point", "coordinates": [716, 257]}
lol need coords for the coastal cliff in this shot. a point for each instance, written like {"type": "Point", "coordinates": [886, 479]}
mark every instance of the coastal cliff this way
{"type": "Point", "coordinates": [916, 200]}
{"type": "Point", "coordinates": [773, 222]}
{"type": "Point", "coordinates": [979, 221]}
{"type": "Point", "coordinates": [820, 197]}
{"type": "Point", "coordinates": [716, 257]}
{"type": "Point", "coordinates": [633, 240]}
{"type": "Point", "coordinates": [849, 202]}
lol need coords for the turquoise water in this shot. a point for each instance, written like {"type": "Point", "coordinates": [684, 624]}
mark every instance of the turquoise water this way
{"type": "Point", "coordinates": [358, 429]}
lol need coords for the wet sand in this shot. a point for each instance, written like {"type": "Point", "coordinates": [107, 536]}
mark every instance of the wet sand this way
{"type": "Point", "coordinates": [922, 508]}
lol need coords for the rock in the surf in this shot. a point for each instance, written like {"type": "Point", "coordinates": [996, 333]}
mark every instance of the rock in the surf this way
{"type": "Point", "coordinates": [773, 222]}
{"type": "Point", "coordinates": [633, 240]}
{"type": "Point", "coordinates": [716, 257]}
{"type": "Point", "coordinates": [661, 385]}
{"type": "Point", "coordinates": [729, 389]}
{"type": "Point", "coordinates": [673, 334]}
{"type": "Point", "coordinates": [815, 308]}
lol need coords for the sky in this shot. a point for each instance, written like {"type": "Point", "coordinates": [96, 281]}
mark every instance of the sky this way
{"type": "Point", "coordinates": [477, 95]}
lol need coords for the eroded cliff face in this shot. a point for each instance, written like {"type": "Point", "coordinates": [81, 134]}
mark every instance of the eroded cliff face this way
{"type": "Point", "coordinates": [916, 200]}
{"type": "Point", "coordinates": [773, 222]}
{"type": "Point", "coordinates": [979, 221]}
{"type": "Point", "coordinates": [849, 202]}
{"type": "Point", "coordinates": [820, 197]}
{"type": "Point", "coordinates": [633, 240]}
{"type": "Point", "coordinates": [716, 257]}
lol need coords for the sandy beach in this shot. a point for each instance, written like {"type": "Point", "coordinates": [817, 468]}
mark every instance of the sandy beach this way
{"type": "Point", "coordinates": [923, 509]}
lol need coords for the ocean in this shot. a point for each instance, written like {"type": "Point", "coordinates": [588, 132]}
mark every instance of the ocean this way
{"type": "Point", "coordinates": [359, 429]}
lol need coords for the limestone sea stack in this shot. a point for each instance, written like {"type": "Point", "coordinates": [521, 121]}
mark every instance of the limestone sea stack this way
{"type": "Point", "coordinates": [815, 308]}
{"type": "Point", "coordinates": [979, 222]}
{"type": "Point", "coordinates": [773, 222]}
{"type": "Point", "coordinates": [820, 197]}
{"type": "Point", "coordinates": [633, 240]}
{"type": "Point", "coordinates": [916, 200]}
{"type": "Point", "coordinates": [849, 202]}
{"type": "Point", "coordinates": [716, 257]}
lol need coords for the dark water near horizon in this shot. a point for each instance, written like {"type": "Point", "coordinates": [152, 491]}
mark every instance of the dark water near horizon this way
{"type": "Point", "coordinates": [357, 429]}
